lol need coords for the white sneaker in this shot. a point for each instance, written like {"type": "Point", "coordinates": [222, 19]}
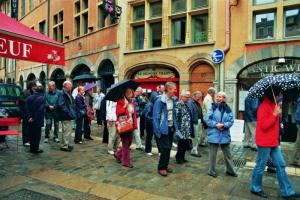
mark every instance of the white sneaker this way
{"type": "Point", "coordinates": [56, 140]}
{"type": "Point", "coordinates": [149, 154]}
{"type": "Point", "coordinates": [46, 140]}
{"type": "Point", "coordinates": [174, 145]}
{"type": "Point", "coordinates": [111, 152]}
{"type": "Point", "coordinates": [27, 144]}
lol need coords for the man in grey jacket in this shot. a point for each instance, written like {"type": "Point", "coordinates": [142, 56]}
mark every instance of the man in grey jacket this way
{"type": "Point", "coordinates": [197, 119]}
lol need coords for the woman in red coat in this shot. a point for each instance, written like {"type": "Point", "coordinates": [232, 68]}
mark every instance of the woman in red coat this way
{"type": "Point", "coordinates": [267, 141]}
{"type": "Point", "coordinates": [126, 107]}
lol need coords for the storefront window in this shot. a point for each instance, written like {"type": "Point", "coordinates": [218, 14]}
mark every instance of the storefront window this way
{"type": "Point", "coordinates": [178, 31]}
{"type": "Point", "coordinates": [199, 4]}
{"type": "Point", "coordinates": [178, 6]}
{"type": "Point", "coordinates": [156, 9]}
{"type": "Point", "coordinates": [292, 22]}
{"type": "Point", "coordinates": [264, 25]}
{"type": "Point", "coordinates": [258, 2]}
{"type": "Point", "coordinates": [138, 12]}
{"type": "Point", "coordinates": [138, 37]}
{"type": "Point", "coordinates": [155, 34]}
{"type": "Point", "coordinates": [199, 28]}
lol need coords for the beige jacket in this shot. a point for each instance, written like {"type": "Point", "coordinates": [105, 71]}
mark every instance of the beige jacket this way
{"type": "Point", "coordinates": [208, 100]}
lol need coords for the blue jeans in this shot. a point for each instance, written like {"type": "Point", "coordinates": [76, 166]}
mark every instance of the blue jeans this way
{"type": "Point", "coordinates": [263, 154]}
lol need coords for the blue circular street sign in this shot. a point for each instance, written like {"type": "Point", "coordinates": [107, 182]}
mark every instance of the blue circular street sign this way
{"type": "Point", "coordinates": [217, 56]}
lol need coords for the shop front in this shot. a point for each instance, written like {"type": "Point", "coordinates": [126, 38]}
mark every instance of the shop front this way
{"type": "Point", "coordinates": [254, 72]}
{"type": "Point", "coordinates": [151, 76]}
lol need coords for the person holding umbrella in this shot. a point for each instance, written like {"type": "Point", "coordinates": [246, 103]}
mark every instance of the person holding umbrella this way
{"type": "Point", "coordinates": [126, 107]}
{"type": "Point", "coordinates": [267, 141]}
{"type": "Point", "coordinates": [88, 90]}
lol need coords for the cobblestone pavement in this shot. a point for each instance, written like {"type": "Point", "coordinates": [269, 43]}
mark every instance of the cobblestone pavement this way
{"type": "Point", "coordinates": [89, 172]}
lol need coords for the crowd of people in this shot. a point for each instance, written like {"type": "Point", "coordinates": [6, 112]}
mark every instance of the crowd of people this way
{"type": "Point", "coordinates": [166, 118]}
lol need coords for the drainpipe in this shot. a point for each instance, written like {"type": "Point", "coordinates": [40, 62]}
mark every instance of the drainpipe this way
{"type": "Point", "coordinates": [228, 27]}
{"type": "Point", "coordinates": [227, 41]}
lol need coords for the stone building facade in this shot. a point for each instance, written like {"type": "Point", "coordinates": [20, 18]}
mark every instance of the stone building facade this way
{"type": "Point", "coordinates": [155, 41]}
{"type": "Point", "coordinates": [87, 32]}
{"type": "Point", "coordinates": [261, 32]}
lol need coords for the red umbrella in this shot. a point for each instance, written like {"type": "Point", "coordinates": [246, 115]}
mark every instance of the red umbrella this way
{"type": "Point", "coordinates": [21, 42]}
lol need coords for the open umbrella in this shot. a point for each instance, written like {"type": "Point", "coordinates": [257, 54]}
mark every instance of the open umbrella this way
{"type": "Point", "coordinates": [259, 88]}
{"type": "Point", "coordinates": [85, 78]}
{"type": "Point", "coordinates": [89, 86]}
{"type": "Point", "coordinates": [117, 91]}
{"type": "Point", "coordinates": [287, 81]}
{"type": "Point", "coordinates": [282, 81]}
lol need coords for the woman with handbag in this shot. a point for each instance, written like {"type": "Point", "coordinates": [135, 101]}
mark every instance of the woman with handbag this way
{"type": "Point", "coordinates": [81, 111]}
{"type": "Point", "coordinates": [185, 127]}
{"type": "Point", "coordinates": [126, 124]}
{"type": "Point", "coordinates": [219, 121]}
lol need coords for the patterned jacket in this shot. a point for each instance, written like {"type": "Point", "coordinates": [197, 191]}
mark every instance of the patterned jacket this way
{"type": "Point", "coordinates": [184, 120]}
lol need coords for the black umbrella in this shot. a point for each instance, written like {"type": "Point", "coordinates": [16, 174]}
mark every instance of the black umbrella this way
{"type": "Point", "coordinates": [281, 81]}
{"type": "Point", "coordinates": [85, 78]}
{"type": "Point", "coordinates": [117, 90]}
{"type": "Point", "coordinates": [287, 81]}
{"type": "Point", "coordinates": [259, 88]}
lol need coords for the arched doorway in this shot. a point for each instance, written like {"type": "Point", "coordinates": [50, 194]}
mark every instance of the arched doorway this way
{"type": "Point", "coordinates": [80, 69]}
{"type": "Point", "coordinates": [42, 78]}
{"type": "Point", "coordinates": [31, 77]}
{"type": "Point", "coordinates": [21, 82]}
{"type": "Point", "coordinates": [202, 78]}
{"type": "Point", "coordinates": [106, 71]}
{"type": "Point", "coordinates": [58, 76]}
{"type": "Point", "coordinates": [151, 75]}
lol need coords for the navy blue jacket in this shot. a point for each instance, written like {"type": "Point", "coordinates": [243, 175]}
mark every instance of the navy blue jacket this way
{"type": "Point", "coordinates": [251, 106]}
{"type": "Point", "coordinates": [80, 105]}
{"type": "Point", "coordinates": [36, 108]}
{"type": "Point", "coordinates": [196, 110]}
{"type": "Point", "coordinates": [65, 106]}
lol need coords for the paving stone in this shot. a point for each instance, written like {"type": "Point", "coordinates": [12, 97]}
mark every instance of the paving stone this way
{"type": "Point", "coordinates": [12, 182]}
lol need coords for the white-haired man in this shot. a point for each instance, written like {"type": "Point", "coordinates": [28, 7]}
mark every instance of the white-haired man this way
{"type": "Point", "coordinates": [207, 103]}
{"type": "Point", "coordinates": [66, 113]}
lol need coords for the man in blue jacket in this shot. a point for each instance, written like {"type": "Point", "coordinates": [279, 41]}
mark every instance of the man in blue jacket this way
{"type": "Point", "coordinates": [164, 125]}
{"type": "Point", "coordinates": [66, 113]}
{"type": "Point", "coordinates": [251, 106]}
{"type": "Point", "coordinates": [296, 160]}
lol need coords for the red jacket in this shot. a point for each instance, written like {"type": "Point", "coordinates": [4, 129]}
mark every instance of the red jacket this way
{"type": "Point", "coordinates": [121, 111]}
{"type": "Point", "coordinates": [267, 128]}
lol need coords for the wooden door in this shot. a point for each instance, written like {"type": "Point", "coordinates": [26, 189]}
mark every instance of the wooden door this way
{"type": "Point", "coordinates": [202, 78]}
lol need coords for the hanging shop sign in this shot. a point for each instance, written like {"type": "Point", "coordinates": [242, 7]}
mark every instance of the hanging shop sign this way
{"type": "Point", "coordinates": [154, 73]}
{"type": "Point", "coordinates": [14, 9]}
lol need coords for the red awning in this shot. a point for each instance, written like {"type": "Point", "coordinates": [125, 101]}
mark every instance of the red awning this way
{"type": "Point", "coordinates": [21, 42]}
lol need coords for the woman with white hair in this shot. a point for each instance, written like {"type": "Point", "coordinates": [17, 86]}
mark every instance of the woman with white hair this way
{"type": "Point", "coordinates": [185, 126]}
{"type": "Point", "coordinates": [219, 120]}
